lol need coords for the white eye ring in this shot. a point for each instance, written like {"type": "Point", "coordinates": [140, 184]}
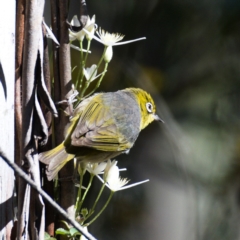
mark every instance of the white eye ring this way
{"type": "Point", "coordinates": [149, 107]}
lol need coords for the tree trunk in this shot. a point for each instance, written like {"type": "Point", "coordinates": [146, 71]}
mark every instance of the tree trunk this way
{"type": "Point", "coordinates": [7, 70]}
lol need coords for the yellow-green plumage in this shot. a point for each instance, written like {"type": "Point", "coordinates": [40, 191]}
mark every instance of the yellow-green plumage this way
{"type": "Point", "coordinates": [102, 127]}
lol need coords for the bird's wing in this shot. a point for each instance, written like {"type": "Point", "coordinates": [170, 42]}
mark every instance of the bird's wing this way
{"type": "Point", "coordinates": [96, 128]}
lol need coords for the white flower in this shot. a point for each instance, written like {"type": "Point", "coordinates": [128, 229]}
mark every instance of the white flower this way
{"type": "Point", "coordinates": [82, 168]}
{"type": "Point", "coordinates": [90, 72]}
{"type": "Point", "coordinates": [75, 22]}
{"type": "Point", "coordinates": [114, 181]}
{"type": "Point", "coordinates": [96, 168]}
{"type": "Point", "coordinates": [76, 35]}
{"type": "Point", "coordinates": [79, 49]}
{"type": "Point", "coordinates": [111, 39]}
{"type": "Point", "coordinates": [108, 54]}
{"type": "Point", "coordinates": [108, 167]}
{"type": "Point", "coordinates": [90, 26]}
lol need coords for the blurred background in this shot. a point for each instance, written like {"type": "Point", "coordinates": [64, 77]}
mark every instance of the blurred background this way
{"type": "Point", "coordinates": [190, 63]}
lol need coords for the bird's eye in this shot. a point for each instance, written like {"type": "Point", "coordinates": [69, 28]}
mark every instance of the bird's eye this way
{"type": "Point", "coordinates": [149, 107]}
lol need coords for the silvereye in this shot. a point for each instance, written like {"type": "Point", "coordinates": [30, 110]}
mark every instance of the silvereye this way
{"type": "Point", "coordinates": [102, 127]}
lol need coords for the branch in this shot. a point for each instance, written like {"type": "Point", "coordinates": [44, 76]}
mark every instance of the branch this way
{"type": "Point", "coordinates": [23, 175]}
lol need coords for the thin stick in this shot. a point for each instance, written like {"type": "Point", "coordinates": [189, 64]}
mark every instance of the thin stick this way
{"type": "Point", "coordinates": [23, 175]}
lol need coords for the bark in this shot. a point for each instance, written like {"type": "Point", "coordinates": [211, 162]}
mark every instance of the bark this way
{"type": "Point", "coordinates": [20, 17]}
{"type": "Point", "coordinates": [67, 188]}
{"type": "Point", "coordinates": [7, 66]}
{"type": "Point", "coordinates": [48, 185]}
{"type": "Point", "coordinates": [33, 21]}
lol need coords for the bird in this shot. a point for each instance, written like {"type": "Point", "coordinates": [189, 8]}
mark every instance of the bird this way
{"type": "Point", "coordinates": [102, 126]}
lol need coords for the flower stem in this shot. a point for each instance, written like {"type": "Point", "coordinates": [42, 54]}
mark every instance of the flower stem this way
{"type": "Point", "coordinates": [99, 81]}
{"type": "Point", "coordinates": [84, 63]}
{"type": "Point", "coordinates": [96, 201]}
{"type": "Point", "coordinates": [56, 190]}
{"type": "Point", "coordinates": [103, 208]}
{"type": "Point", "coordinates": [88, 47]}
{"type": "Point", "coordinates": [79, 194]}
{"type": "Point", "coordinates": [85, 193]}
{"type": "Point", "coordinates": [87, 83]}
{"type": "Point", "coordinates": [80, 69]}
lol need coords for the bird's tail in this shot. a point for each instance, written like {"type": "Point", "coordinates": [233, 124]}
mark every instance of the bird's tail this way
{"type": "Point", "coordinates": [55, 159]}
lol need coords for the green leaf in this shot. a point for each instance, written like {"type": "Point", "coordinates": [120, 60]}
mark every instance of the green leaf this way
{"type": "Point", "coordinates": [66, 224]}
{"type": "Point", "coordinates": [73, 231]}
{"type": "Point", "coordinates": [48, 237]}
{"type": "Point", "coordinates": [84, 212]}
{"type": "Point", "coordinates": [62, 231]}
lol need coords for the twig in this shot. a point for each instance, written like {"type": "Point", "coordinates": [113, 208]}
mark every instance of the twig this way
{"type": "Point", "coordinates": [23, 175]}
{"type": "Point", "coordinates": [67, 189]}
{"type": "Point", "coordinates": [18, 69]}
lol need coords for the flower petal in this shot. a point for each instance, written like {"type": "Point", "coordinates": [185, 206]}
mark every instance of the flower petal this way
{"type": "Point", "coordinates": [134, 184]}
{"type": "Point", "coordinates": [113, 43]}
{"type": "Point", "coordinates": [96, 168]}
{"type": "Point", "coordinates": [110, 164]}
{"type": "Point", "coordinates": [75, 22]}
{"type": "Point", "coordinates": [108, 54]}
{"type": "Point", "coordinates": [90, 72]}
{"type": "Point", "coordinates": [130, 41]}
{"type": "Point", "coordinates": [78, 49]}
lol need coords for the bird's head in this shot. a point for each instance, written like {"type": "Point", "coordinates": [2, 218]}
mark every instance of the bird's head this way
{"type": "Point", "coordinates": [147, 107]}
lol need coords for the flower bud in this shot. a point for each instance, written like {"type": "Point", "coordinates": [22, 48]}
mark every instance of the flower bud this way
{"type": "Point", "coordinates": [108, 54]}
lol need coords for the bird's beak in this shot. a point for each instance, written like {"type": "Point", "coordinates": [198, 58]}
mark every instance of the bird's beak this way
{"type": "Point", "coordinates": [157, 118]}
